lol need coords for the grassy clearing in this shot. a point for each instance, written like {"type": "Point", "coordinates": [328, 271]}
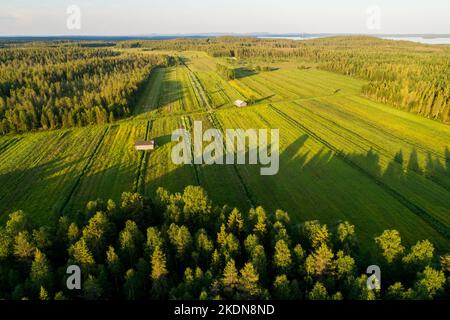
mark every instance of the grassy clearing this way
{"type": "Point", "coordinates": [39, 171]}
{"type": "Point", "coordinates": [159, 169]}
{"type": "Point", "coordinates": [114, 167]}
{"type": "Point", "coordinates": [221, 93]}
{"type": "Point", "coordinates": [151, 93]}
{"type": "Point", "coordinates": [221, 181]}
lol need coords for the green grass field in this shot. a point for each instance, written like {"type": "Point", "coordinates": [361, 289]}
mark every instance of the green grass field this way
{"type": "Point", "coordinates": [343, 157]}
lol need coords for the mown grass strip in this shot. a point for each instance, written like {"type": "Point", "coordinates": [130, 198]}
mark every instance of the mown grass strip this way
{"type": "Point", "coordinates": [206, 99]}
{"type": "Point", "coordinates": [366, 142]}
{"type": "Point", "coordinates": [8, 144]}
{"type": "Point", "coordinates": [423, 214]}
{"type": "Point", "coordinates": [188, 125]}
{"type": "Point", "coordinates": [251, 199]}
{"type": "Point", "coordinates": [139, 185]}
{"type": "Point", "coordinates": [83, 172]}
{"type": "Point", "coordinates": [54, 140]}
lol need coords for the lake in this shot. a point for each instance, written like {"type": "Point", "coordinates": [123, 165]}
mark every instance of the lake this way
{"type": "Point", "coordinates": [397, 38]}
{"type": "Point", "coordinates": [420, 39]}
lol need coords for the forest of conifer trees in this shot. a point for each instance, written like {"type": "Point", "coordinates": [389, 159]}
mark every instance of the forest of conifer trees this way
{"type": "Point", "coordinates": [181, 246]}
{"type": "Point", "coordinates": [48, 88]}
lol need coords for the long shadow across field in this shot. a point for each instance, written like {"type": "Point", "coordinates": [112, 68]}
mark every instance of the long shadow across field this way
{"type": "Point", "coordinates": [22, 189]}
{"type": "Point", "coordinates": [320, 185]}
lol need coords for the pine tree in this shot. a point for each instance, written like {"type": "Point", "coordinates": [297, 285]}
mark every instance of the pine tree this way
{"type": "Point", "coordinates": [181, 239]}
{"type": "Point", "coordinates": [197, 207]}
{"type": "Point", "coordinates": [40, 270]}
{"type": "Point", "coordinates": [131, 284]}
{"type": "Point", "coordinates": [154, 239]}
{"type": "Point", "coordinates": [391, 245]}
{"type": "Point", "coordinates": [230, 278]}
{"type": "Point", "coordinates": [130, 239]}
{"type": "Point", "coordinates": [97, 232]}
{"type": "Point", "coordinates": [73, 232]}
{"type": "Point", "coordinates": [282, 288]}
{"type": "Point", "coordinates": [92, 288]}
{"type": "Point", "coordinates": [5, 244]}
{"type": "Point", "coordinates": [430, 284]}
{"type": "Point", "coordinates": [316, 233]}
{"type": "Point", "coordinates": [158, 274]}
{"type": "Point", "coordinates": [318, 292]}
{"type": "Point", "coordinates": [249, 282]}
{"type": "Point", "coordinates": [344, 264]}
{"type": "Point", "coordinates": [17, 222]}
{"type": "Point", "coordinates": [235, 222]}
{"type": "Point", "coordinates": [421, 254]}
{"type": "Point", "coordinates": [43, 294]}
{"type": "Point", "coordinates": [81, 254]}
{"type": "Point", "coordinates": [282, 257]}
{"type": "Point", "coordinates": [320, 261]}
{"type": "Point", "coordinates": [23, 248]}
{"type": "Point", "coordinates": [113, 262]}
{"type": "Point", "coordinates": [158, 262]}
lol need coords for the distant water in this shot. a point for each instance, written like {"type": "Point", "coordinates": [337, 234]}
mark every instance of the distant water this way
{"type": "Point", "coordinates": [398, 38]}
{"type": "Point", "coordinates": [420, 40]}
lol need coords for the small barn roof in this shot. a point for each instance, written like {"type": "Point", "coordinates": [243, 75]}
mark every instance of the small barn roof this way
{"type": "Point", "coordinates": [145, 143]}
{"type": "Point", "coordinates": [240, 103]}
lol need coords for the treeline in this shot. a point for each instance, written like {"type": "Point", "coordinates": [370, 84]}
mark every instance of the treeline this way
{"type": "Point", "coordinates": [413, 77]}
{"type": "Point", "coordinates": [179, 246]}
{"type": "Point", "coordinates": [63, 87]}
{"type": "Point", "coordinates": [227, 72]}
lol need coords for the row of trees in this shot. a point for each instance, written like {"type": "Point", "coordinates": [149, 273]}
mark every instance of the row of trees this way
{"type": "Point", "coordinates": [182, 247]}
{"type": "Point", "coordinates": [415, 79]}
{"type": "Point", "coordinates": [52, 88]}
{"type": "Point", "coordinates": [227, 72]}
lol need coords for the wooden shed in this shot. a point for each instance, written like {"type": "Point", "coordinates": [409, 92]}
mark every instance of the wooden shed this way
{"type": "Point", "coordinates": [240, 103]}
{"type": "Point", "coordinates": [145, 145]}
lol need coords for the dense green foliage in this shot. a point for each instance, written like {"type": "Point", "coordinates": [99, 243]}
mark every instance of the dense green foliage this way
{"type": "Point", "coordinates": [182, 247]}
{"type": "Point", "coordinates": [226, 72]}
{"type": "Point", "coordinates": [70, 86]}
{"type": "Point", "coordinates": [416, 80]}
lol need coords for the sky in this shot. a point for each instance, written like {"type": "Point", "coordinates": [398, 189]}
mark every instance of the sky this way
{"type": "Point", "coordinates": [140, 17]}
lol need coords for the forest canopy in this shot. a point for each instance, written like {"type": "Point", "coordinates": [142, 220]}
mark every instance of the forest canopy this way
{"type": "Point", "coordinates": [48, 87]}
{"type": "Point", "coordinates": [181, 246]}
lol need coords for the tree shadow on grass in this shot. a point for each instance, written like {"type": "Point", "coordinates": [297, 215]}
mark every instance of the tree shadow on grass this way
{"type": "Point", "coordinates": [311, 184]}
{"type": "Point", "coordinates": [244, 72]}
{"type": "Point", "coordinates": [163, 140]}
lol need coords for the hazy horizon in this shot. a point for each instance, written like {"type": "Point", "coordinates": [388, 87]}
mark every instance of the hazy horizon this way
{"type": "Point", "coordinates": [137, 17]}
{"type": "Point", "coordinates": [212, 34]}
